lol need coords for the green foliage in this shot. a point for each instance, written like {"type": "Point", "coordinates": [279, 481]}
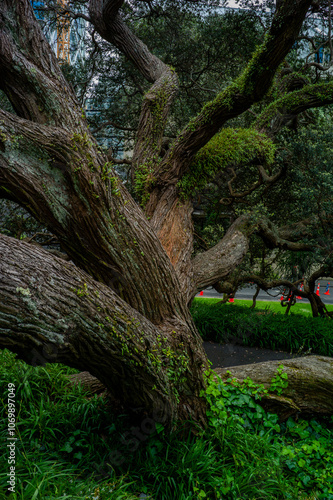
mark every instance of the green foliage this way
{"type": "Point", "coordinates": [144, 180]}
{"type": "Point", "coordinates": [294, 333]}
{"type": "Point", "coordinates": [82, 292]}
{"type": "Point", "coordinates": [240, 402]}
{"type": "Point", "coordinates": [279, 382]}
{"type": "Point", "coordinates": [308, 455]}
{"type": "Point", "coordinates": [66, 442]}
{"type": "Point", "coordinates": [301, 451]}
{"type": "Point", "coordinates": [228, 147]}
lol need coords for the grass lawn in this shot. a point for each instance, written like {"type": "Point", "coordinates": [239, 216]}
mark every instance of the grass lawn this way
{"type": "Point", "coordinates": [265, 326]}
{"type": "Point", "coordinates": [301, 307]}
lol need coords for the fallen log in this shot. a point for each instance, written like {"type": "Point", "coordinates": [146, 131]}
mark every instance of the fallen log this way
{"type": "Point", "coordinates": [89, 383]}
{"type": "Point", "coordinates": [309, 390]}
{"type": "Point", "coordinates": [94, 386]}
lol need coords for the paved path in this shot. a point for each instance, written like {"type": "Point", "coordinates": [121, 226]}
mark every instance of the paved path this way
{"type": "Point", "coordinates": [223, 355]}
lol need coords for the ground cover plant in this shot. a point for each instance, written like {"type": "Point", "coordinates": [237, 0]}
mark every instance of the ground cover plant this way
{"type": "Point", "coordinates": [263, 326]}
{"type": "Point", "coordinates": [72, 447]}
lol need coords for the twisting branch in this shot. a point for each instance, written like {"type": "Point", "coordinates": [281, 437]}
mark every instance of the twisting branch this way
{"type": "Point", "coordinates": [157, 100]}
{"type": "Point", "coordinates": [250, 87]}
{"type": "Point", "coordinates": [113, 29]}
{"type": "Point", "coordinates": [31, 78]}
{"type": "Point", "coordinates": [233, 194]}
{"type": "Point", "coordinates": [38, 290]}
{"type": "Point", "coordinates": [263, 178]}
{"type": "Point", "coordinates": [216, 263]}
{"type": "Point", "coordinates": [277, 114]}
{"type": "Point", "coordinates": [65, 184]}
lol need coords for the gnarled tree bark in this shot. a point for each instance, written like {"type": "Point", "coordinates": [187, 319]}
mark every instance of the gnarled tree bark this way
{"type": "Point", "coordinates": [52, 311]}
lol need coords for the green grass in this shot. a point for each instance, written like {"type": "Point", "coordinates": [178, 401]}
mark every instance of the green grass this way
{"type": "Point", "coordinates": [66, 443]}
{"type": "Point", "coordinates": [301, 307]}
{"type": "Point", "coordinates": [263, 327]}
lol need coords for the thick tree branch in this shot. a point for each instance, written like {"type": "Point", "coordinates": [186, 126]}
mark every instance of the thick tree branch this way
{"type": "Point", "coordinates": [113, 29]}
{"type": "Point", "coordinates": [309, 389]}
{"type": "Point", "coordinates": [156, 102]}
{"type": "Point", "coordinates": [248, 89]}
{"type": "Point", "coordinates": [153, 118]}
{"type": "Point", "coordinates": [66, 183]}
{"type": "Point", "coordinates": [220, 260]}
{"type": "Point", "coordinates": [280, 112]}
{"type": "Point", "coordinates": [51, 311]}
{"type": "Point", "coordinates": [29, 73]}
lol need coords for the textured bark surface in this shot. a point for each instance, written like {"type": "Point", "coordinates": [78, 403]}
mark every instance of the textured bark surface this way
{"type": "Point", "coordinates": [90, 383]}
{"type": "Point", "coordinates": [51, 311]}
{"type": "Point", "coordinates": [310, 384]}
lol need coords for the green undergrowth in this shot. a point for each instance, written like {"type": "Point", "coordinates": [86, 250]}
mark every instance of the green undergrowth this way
{"type": "Point", "coordinates": [296, 457]}
{"type": "Point", "coordinates": [231, 322]}
{"type": "Point", "coordinates": [71, 447]}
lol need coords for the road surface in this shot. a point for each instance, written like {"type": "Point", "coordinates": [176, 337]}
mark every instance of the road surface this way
{"type": "Point", "coordinates": [274, 294]}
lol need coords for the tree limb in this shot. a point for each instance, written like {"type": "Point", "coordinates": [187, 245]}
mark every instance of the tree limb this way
{"type": "Point", "coordinates": [249, 88]}
{"type": "Point", "coordinates": [309, 389]}
{"type": "Point", "coordinates": [29, 73]}
{"type": "Point", "coordinates": [277, 114]}
{"type": "Point", "coordinates": [51, 311]}
{"type": "Point", "coordinates": [61, 179]}
{"type": "Point", "coordinates": [220, 260]}
{"type": "Point", "coordinates": [216, 263]}
{"type": "Point", "coordinates": [243, 194]}
{"type": "Point", "coordinates": [156, 102]}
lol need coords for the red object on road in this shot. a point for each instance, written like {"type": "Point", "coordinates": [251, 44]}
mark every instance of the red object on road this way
{"type": "Point", "coordinates": [317, 292]}
{"type": "Point", "coordinates": [327, 291]}
{"type": "Point", "coordinates": [201, 293]}
{"type": "Point", "coordinates": [232, 299]}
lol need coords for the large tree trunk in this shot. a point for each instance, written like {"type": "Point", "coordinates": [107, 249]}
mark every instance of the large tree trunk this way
{"type": "Point", "coordinates": [119, 309]}
{"type": "Point", "coordinates": [51, 311]}
{"type": "Point", "coordinates": [310, 384]}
